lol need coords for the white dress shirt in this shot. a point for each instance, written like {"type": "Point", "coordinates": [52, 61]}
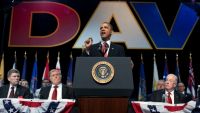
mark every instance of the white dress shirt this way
{"type": "Point", "coordinates": [108, 42]}
{"type": "Point", "coordinates": [172, 95]}
{"type": "Point", "coordinates": [10, 90]}
{"type": "Point", "coordinates": [59, 92]}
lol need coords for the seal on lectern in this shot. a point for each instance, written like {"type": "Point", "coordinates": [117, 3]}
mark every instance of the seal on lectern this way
{"type": "Point", "coordinates": [103, 72]}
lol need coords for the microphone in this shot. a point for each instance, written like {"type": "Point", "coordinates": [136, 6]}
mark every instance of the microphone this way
{"type": "Point", "coordinates": [163, 98]}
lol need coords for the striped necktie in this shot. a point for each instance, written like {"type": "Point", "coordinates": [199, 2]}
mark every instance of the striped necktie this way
{"type": "Point", "coordinates": [12, 94]}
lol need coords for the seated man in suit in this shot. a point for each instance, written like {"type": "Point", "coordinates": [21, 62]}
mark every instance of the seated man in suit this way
{"type": "Point", "coordinates": [104, 48]}
{"type": "Point", "coordinates": [160, 85]}
{"type": "Point", "coordinates": [181, 89]}
{"type": "Point", "coordinates": [13, 89]}
{"type": "Point", "coordinates": [45, 83]}
{"type": "Point", "coordinates": [56, 90]}
{"type": "Point", "coordinates": [24, 83]}
{"type": "Point", "coordinates": [169, 94]}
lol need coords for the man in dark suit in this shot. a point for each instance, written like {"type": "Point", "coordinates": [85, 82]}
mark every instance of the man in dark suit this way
{"type": "Point", "coordinates": [105, 48]}
{"type": "Point", "coordinates": [57, 90]}
{"type": "Point", "coordinates": [13, 89]}
{"type": "Point", "coordinates": [181, 89]}
{"type": "Point", "coordinates": [63, 92]}
{"type": "Point", "coordinates": [169, 94]}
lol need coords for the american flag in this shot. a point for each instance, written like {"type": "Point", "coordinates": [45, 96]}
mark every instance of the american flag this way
{"type": "Point", "coordinates": [191, 80]}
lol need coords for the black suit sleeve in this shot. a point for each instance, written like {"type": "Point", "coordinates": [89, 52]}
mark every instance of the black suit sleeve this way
{"type": "Point", "coordinates": [23, 92]}
{"type": "Point", "coordinates": [84, 53]}
{"type": "Point", "coordinates": [67, 92]}
{"type": "Point", "coordinates": [121, 51]}
{"type": "Point", "coordinates": [28, 94]}
{"type": "Point", "coordinates": [44, 92]}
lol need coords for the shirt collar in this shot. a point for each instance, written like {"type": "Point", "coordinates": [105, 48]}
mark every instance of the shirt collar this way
{"type": "Point", "coordinates": [172, 92]}
{"type": "Point", "coordinates": [12, 86]}
{"type": "Point", "coordinates": [108, 42]}
{"type": "Point", "coordinates": [59, 85]}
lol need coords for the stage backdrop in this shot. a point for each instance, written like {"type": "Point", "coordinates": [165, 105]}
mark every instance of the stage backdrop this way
{"type": "Point", "coordinates": [147, 27]}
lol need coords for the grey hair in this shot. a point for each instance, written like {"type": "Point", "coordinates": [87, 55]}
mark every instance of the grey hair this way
{"type": "Point", "coordinates": [12, 71]}
{"type": "Point", "coordinates": [53, 70]}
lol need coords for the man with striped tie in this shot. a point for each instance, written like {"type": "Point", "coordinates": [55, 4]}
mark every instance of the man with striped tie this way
{"type": "Point", "coordinates": [105, 48]}
{"type": "Point", "coordinates": [13, 89]}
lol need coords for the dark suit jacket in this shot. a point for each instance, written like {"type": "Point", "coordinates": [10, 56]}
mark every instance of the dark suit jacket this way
{"type": "Point", "coordinates": [157, 96]}
{"type": "Point", "coordinates": [188, 97]}
{"type": "Point", "coordinates": [67, 92]}
{"type": "Point", "coordinates": [115, 51]}
{"type": "Point", "coordinates": [21, 92]}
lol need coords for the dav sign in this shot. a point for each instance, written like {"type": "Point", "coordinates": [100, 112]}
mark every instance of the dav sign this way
{"type": "Point", "coordinates": [68, 25]}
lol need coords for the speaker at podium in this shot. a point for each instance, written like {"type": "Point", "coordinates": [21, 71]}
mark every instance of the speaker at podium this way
{"type": "Point", "coordinates": [103, 85]}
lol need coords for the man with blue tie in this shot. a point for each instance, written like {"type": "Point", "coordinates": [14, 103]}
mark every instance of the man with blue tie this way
{"type": "Point", "coordinates": [105, 48]}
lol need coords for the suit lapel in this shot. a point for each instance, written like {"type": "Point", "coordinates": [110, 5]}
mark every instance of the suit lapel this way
{"type": "Point", "coordinates": [111, 50]}
{"type": "Point", "coordinates": [48, 90]}
{"type": "Point", "coordinates": [17, 92]}
{"type": "Point", "coordinates": [63, 91]}
{"type": "Point", "coordinates": [162, 96]}
{"type": "Point", "coordinates": [99, 49]}
{"type": "Point", "coordinates": [176, 97]}
{"type": "Point", "coordinates": [5, 92]}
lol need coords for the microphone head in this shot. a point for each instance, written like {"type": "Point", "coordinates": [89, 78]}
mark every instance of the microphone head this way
{"type": "Point", "coordinates": [163, 97]}
{"type": "Point", "coordinates": [100, 46]}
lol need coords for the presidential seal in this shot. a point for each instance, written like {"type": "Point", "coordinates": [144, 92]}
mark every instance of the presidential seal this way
{"type": "Point", "coordinates": [103, 72]}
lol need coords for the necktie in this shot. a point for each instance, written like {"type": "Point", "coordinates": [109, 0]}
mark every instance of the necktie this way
{"type": "Point", "coordinates": [104, 49]}
{"type": "Point", "coordinates": [54, 95]}
{"type": "Point", "coordinates": [169, 99]}
{"type": "Point", "coordinates": [12, 94]}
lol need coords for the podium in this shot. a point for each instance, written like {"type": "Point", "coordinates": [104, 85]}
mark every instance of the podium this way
{"type": "Point", "coordinates": [103, 85]}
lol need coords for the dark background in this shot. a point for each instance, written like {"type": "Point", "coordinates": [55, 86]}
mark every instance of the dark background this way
{"type": "Point", "coordinates": [85, 8]}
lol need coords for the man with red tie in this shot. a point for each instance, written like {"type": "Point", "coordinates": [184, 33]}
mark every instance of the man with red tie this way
{"type": "Point", "coordinates": [13, 89]}
{"type": "Point", "coordinates": [105, 48]}
{"type": "Point", "coordinates": [169, 94]}
{"type": "Point", "coordinates": [56, 90]}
